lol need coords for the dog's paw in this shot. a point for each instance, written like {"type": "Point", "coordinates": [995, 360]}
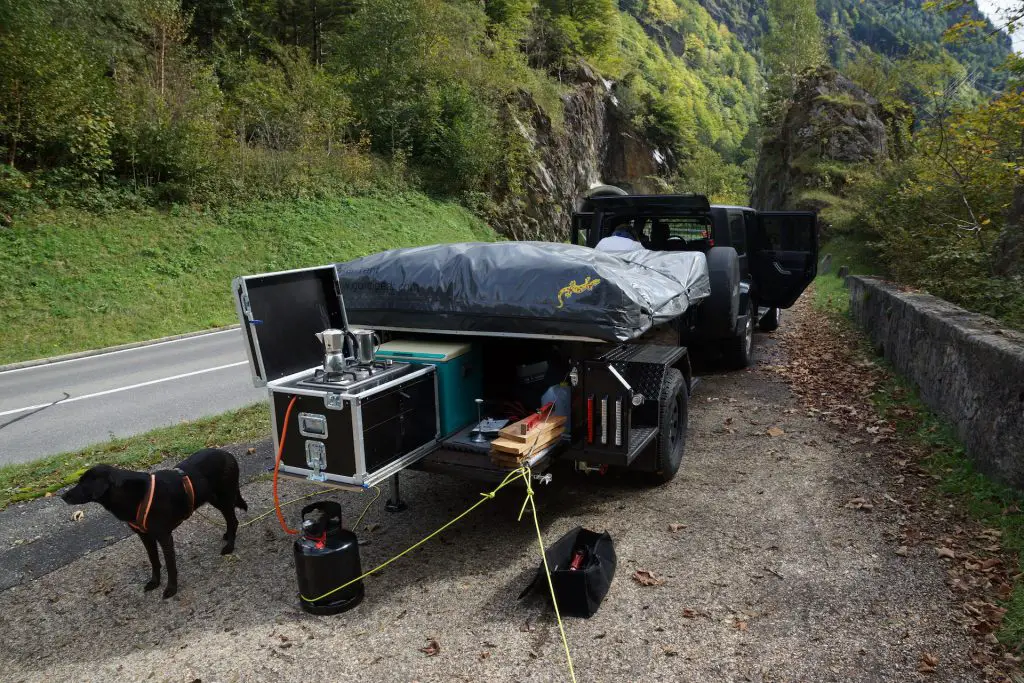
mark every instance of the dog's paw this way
{"type": "Point", "coordinates": [227, 549]}
{"type": "Point", "coordinates": [152, 584]}
{"type": "Point", "coordinates": [225, 536]}
{"type": "Point", "coordinates": [170, 591]}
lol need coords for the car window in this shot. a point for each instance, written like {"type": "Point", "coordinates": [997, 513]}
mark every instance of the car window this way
{"type": "Point", "coordinates": [659, 232]}
{"type": "Point", "coordinates": [781, 233]}
{"type": "Point", "coordinates": [737, 233]}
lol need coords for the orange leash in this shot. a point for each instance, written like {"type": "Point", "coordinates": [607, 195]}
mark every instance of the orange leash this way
{"type": "Point", "coordinates": [277, 464]}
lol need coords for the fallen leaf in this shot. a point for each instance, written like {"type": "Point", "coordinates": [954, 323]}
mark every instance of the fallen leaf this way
{"type": "Point", "coordinates": [945, 552]}
{"type": "Point", "coordinates": [48, 494]}
{"type": "Point", "coordinates": [860, 503]}
{"type": "Point", "coordinates": [77, 516]}
{"type": "Point", "coordinates": [990, 563]}
{"type": "Point", "coordinates": [669, 651]}
{"type": "Point", "coordinates": [431, 649]}
{"type": "Point", "coordinates": [689, 614]}
{"type": "Point", "coordinates": [676, 527]}
{"type": "Point", "coordinates": [527, 627]}
{"type": "Point", "coordinates": [646, 578]}
{"type": "Point", "coordinates": [740, 625]}
{"type": "Point", "coordinates": [775, 431]}
{"type": "Point", "coordinates": [251, 451]}
{"type": "Point", "coordinates": [902, 551]}
{"type": "Point", "coordinates": [485, 654]}
{"type": "Point", "coordinates": [927, 663]}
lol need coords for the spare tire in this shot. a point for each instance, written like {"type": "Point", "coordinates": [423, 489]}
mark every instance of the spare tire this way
{"type": "Point", "coordinates": [718, 313]}
{"type": "Point", "coordinates": [599, 191]}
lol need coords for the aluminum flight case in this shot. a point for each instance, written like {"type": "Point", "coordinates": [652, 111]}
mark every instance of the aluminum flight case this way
{"type": "Point", "coordinates": [357, 435]}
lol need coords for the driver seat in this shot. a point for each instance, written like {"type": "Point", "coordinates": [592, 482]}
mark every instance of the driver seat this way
{"type": "Point", "coordinates": [659, 235]}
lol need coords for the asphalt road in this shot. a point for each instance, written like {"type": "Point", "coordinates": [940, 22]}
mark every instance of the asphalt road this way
{"type": "Point", "coordinates": [121, 393]}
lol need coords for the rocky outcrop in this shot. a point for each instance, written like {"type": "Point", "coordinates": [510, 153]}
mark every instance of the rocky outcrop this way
{"type": "Point", "coordinates": [967, 367]}
{"type": "Point", "coordinates": [595, 145]}
{"type": "Point", "coordinates": [1009, 248]}
{"type": "Point", "coordinates": [831, 124]}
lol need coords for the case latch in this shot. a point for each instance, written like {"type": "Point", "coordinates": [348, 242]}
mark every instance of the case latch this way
{"type": "Point", "coordinates": [316, 460]}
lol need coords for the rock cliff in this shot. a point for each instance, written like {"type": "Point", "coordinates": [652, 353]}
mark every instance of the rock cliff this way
{"type": "Point", "coordinates": [831, 125]}
{"type": "Point", "coordinates": [595, 145]}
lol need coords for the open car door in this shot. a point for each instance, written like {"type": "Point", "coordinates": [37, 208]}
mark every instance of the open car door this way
{"type": "Point", "coordinates": [783, 256]}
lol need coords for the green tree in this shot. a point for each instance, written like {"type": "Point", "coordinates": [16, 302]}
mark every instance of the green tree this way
{"type": "Point", "coordinates": [52, 94]}
{"type": "Point", "coordinates": [793, 45]}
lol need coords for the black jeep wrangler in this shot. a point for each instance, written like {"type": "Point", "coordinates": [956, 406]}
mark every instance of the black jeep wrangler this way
{"type": "Point", "coordinates": [759, 262]}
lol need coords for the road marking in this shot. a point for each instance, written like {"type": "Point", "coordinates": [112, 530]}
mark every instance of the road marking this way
{"type": "Point", "coordinates": [114, 353]}
{"type": "Point", "coordinates": [127, 388]}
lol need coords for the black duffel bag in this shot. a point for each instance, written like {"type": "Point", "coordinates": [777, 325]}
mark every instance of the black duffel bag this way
{"type": "Point", "coordinates": [579, 591]}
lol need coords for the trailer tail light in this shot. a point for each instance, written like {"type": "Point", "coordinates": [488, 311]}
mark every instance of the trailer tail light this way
{"type": "Point", "coordinates": [618, 422]}
{"type": "Point", "coordinates": [590, 419]}
{"type": "Point", "coordinates": [604, 421]}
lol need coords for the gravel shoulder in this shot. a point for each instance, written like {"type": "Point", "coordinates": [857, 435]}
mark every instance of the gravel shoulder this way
{"type": "Point", "coordinates": [773, 577]}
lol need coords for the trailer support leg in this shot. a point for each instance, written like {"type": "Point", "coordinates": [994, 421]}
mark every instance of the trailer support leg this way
{"type": "Point", "coordinates": [395, 502]}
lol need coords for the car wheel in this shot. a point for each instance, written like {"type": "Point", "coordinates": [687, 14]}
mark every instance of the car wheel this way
{"type": "Point", "coordinates": [770, 321]}
{"type": "Point", "coordinates": [739, 351]}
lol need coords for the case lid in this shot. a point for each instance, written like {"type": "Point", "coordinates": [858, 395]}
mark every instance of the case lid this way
{"type": "Point", "coordinates": [282, 312]}
{"type": "Point", "coordinates": [439, 351]}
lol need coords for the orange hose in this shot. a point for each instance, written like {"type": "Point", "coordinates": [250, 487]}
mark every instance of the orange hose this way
{"type": "Point", "coordinates": [277, 464]}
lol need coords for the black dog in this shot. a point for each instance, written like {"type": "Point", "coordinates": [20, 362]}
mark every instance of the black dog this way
{"type": "Point", "coordinates": [155, 504]}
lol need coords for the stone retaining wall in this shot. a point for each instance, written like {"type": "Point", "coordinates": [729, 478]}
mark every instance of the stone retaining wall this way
{"type": "Point", "coordinates": [967, 367]}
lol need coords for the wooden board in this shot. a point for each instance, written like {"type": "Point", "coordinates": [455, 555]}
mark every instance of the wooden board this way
{"type": "Point", "coordinates": [511, 452]}
{"type": "Point", "coordinates": [513, 432]}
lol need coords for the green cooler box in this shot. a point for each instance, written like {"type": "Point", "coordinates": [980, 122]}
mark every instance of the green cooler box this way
{"type": "Point", "coordinates": [459, 375]}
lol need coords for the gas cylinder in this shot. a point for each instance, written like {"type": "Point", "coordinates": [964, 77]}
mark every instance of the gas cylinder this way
{"type": "Point", "coordinates": [327, 556]}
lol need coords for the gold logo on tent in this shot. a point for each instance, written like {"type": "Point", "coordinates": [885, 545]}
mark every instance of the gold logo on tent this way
{"type": "Point", "coordinates": [573, 288]}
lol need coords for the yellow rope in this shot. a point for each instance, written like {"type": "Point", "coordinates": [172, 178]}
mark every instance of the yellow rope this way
{"type": "Point", "coordinates": [523, 473]}
{"type": "Point", "coordinates": [269, 512]}
{"type": "Point", "coordinates": [547, 572]}
{"type": "Point", "coordinates": [512, 476]}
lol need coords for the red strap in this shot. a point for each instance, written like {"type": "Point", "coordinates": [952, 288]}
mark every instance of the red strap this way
{"type": "Point", "coordinates": [191, 494]}
{"type": "Point", "coordinates": [140, 516]}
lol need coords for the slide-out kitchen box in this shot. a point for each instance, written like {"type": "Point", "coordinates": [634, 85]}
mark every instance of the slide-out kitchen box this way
{"type": "Point", "coordinates": [359, 430]}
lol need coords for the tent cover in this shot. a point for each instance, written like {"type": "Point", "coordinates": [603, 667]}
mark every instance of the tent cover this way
{"type": "Point", "coordinates": [522, 289]}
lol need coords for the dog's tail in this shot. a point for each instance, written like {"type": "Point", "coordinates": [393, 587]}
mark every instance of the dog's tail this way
{"type": "Point", "coordinates": [240, 502]}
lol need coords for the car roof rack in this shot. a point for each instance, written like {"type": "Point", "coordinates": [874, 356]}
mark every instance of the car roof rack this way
{"type": "Point", "coordinates": [648, 203]}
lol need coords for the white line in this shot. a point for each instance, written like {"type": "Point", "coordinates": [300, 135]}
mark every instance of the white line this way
{"type": "Point", "coordinates": [127, 388]}
{"type": "Point", "coordinates": [112, 353]}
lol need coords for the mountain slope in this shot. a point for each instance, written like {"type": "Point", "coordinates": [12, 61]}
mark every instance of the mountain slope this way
{"type": "Point", "coordinates": [892, 28]}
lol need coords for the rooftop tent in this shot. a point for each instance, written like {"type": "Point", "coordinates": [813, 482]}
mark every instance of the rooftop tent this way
{"type": "Point", "coordinates": [522, 289]}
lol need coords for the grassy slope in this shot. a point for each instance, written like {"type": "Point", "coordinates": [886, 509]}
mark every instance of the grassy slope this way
{"type": "Point", "coordinates": [946, 459]}
{"type": "Point", "coordinates": [107, 279]}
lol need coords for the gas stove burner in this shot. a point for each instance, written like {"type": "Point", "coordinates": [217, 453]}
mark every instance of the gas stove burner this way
{"type": "Point", "coordinates": [357, 376]}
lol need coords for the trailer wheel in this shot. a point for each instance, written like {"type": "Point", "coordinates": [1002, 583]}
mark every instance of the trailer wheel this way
{"type": "Point", "coordinates": [672, 422]}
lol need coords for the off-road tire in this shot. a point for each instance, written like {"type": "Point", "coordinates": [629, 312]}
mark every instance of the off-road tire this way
{"type": "Point", "coordinates": [672, 421]}
{"type": "Point", "coordinates": [738, 352]}
{"type": "Point", "coordinates": [605, 191]}
{"type": "Point", "coordinates": [718, 313]}
{"type": "Point", "coordinates": [770, 321]}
